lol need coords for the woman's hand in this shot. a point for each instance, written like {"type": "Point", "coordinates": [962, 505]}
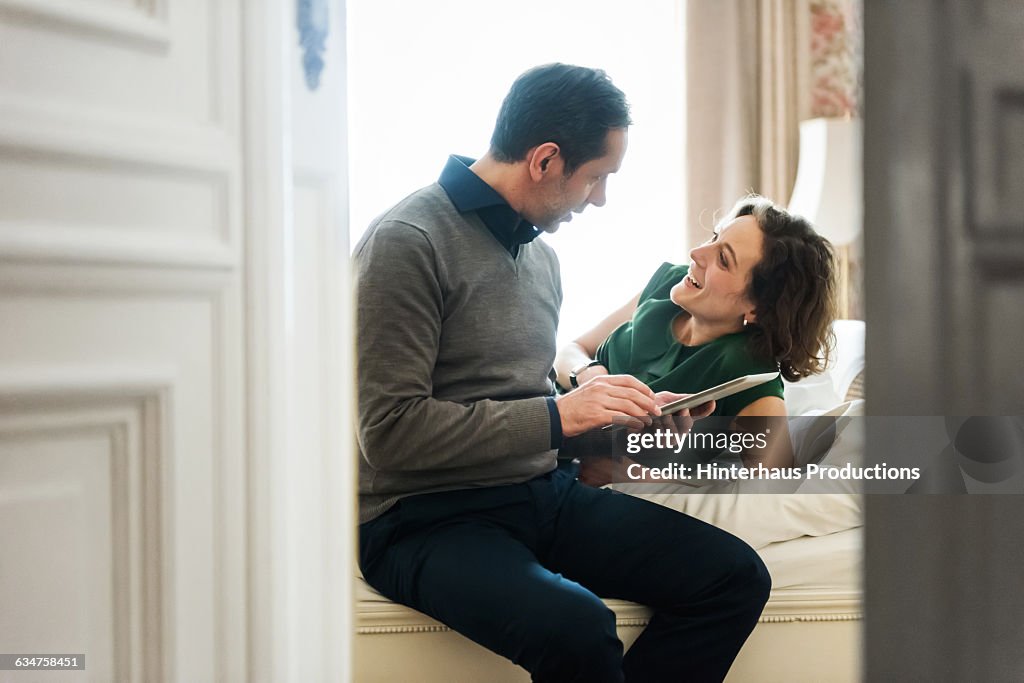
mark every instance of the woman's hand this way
{"type": "Point", "coordinates": [682, 421]}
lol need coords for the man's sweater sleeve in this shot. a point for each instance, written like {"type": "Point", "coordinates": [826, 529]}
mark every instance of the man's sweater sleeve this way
{"type": "Point", "coordinates": [399, 289]}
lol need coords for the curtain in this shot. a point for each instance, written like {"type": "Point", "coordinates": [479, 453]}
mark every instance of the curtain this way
{"type": "Point", "coordinates": [747, 85]}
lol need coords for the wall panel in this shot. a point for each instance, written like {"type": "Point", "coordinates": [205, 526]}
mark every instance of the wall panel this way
{"type": "Point", "coordinates": [121, 234]}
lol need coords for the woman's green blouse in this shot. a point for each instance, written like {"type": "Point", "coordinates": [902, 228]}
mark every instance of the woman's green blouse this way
{"type": "Point", "coordinates": [646, 348]}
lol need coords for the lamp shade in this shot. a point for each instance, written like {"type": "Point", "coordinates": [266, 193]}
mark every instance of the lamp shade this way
{"type": "Point", "coordinates": [828, 180]}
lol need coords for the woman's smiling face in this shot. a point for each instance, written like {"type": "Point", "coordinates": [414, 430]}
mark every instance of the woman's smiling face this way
{"type": "Point", "coordinates": [715, 290]}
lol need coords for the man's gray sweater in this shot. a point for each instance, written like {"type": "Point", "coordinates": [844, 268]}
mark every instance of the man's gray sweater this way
{"type": "Point", "coordinates": [455, 340]}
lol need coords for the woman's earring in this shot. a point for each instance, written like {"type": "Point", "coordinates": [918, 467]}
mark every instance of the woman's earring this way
{"type": "Point", "coordinates": [745, 321]}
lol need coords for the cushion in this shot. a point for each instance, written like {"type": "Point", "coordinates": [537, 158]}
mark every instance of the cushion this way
{"type": "Point", "coordinates": [810, 393]}
{"type": "Point", "coordinates": [856, 389]}
{"type": "Point", "coordinates": [831, 563]}
{"type": "Point", "coordinates": [849, 354]}
{"type": "Point", "coordinates": [764, 512]}
{"type": "Point", "coordinates": [824, 391]}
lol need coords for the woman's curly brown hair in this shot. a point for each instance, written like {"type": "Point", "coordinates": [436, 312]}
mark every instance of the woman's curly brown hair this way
{"type": "Point", "coordinates": [793, 289]}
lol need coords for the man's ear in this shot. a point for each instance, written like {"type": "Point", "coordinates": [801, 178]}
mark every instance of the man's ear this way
{"type": "Point", "coordinates": [543, 160]}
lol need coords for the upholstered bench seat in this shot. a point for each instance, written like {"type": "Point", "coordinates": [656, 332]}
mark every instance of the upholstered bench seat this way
{"type": "Point", "coordinates": [809, 631]}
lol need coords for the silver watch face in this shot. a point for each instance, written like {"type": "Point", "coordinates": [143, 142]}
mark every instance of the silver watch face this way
{"type": "Point", "coordinates": [580, 368]}
{"type": "Point", "coordinates": [575, 371]}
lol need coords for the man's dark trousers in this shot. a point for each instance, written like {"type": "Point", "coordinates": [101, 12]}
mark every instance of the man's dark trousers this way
{"type": "Point", "coordinates": [519, 570]}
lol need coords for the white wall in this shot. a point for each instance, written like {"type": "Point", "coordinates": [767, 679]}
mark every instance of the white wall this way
{"type": "Point", "coordinates": [427, 80]}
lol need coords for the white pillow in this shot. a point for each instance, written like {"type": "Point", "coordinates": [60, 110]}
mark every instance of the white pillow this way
{"type": "Point", "coordinates": [849, 354]}
{"type": "Point", "coordinates": [825, 391]}
{"type": "Point", "coordinates": [795, 509]}
{"type": "Point", "coordinates": [815, 393]}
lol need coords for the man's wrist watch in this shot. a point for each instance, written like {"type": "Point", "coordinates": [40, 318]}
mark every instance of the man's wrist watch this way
{"type": "Point", "coordinates": [577, 370]}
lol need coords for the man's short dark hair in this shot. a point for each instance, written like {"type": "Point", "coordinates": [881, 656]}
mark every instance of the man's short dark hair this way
{"type": "Point", "coordinates": [572, 106]}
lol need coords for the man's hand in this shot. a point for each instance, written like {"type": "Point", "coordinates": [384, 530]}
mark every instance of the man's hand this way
{"type": "Point", "coordinates": [599, 401]}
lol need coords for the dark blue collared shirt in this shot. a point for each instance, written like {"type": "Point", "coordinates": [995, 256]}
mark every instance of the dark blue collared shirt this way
{"type": "Point", "coordinates": [469, 192]}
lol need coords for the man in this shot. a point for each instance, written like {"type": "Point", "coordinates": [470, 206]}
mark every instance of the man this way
{"type": "Point", "coordinates": [464, 514]}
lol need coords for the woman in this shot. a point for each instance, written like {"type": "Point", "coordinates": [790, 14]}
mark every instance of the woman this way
{"type": "Point", "coordinates": [757, 297]}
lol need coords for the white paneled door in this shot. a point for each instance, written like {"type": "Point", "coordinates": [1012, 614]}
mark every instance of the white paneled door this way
{"type": "Point", "coordinates": [173, 443]}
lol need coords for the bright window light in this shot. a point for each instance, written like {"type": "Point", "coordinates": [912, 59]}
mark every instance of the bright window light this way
{"type": "Point", "coordinates": [426, 80]}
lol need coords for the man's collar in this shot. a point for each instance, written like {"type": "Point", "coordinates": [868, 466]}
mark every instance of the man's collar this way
{"type": "Point", "coordinates": [469, 192]}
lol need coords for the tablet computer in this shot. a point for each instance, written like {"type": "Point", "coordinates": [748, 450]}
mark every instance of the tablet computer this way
{"type": "Point", "coordinates": [733, 386]}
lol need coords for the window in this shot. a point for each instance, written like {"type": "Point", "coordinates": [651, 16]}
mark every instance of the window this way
{"type": "Point", "coordinates": [426, 80]}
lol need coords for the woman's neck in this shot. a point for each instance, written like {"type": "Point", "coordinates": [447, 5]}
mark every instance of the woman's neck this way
{"type": "Point", "coordinates": [690, 331]}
